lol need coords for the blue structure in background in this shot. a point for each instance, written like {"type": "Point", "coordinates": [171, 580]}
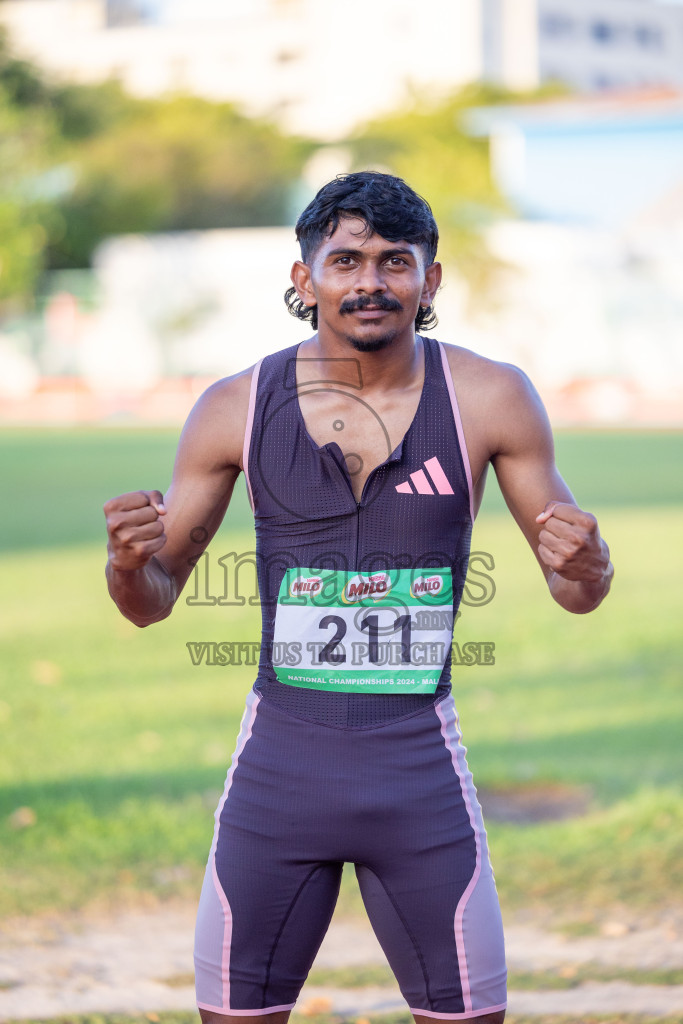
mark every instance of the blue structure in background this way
{"type": "Point", "coordinates": [591, 162]}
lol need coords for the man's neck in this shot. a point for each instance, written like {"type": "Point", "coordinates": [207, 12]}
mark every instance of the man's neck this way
{"type": "Point", "coordinates": [395, 367]}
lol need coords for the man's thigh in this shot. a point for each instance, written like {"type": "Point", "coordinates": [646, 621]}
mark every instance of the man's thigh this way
{"type": "Point", "coordinates": [259, 926]}
{"type": "Point", "coordinates": [269, 890]}
{"type": "Point", "coordinates": [427, 882]}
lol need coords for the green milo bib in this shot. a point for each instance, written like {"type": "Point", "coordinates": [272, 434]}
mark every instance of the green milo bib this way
{"type": "Point", "coordinates": [388, 631]}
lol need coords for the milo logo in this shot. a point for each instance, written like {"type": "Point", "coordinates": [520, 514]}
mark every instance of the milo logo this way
{"type": "Point", "coordinates": [305, 586]}
{"type": "Point", "coordinates": [426, 585]}
{"type": "Point", "coordinates": [374, 586]}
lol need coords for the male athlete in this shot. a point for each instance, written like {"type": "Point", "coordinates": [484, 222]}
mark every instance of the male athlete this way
{"type": "Point", "coordinates": [365, 451]}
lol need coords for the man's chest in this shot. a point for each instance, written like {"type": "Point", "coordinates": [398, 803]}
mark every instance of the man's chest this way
{"type": "Point", "coordinates": [367, 428]}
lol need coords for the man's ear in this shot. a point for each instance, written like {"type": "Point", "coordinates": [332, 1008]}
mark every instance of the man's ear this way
{"type": "Point", "coordinates": [301, 279]}
{"type": "Point", "coordinates": [432, 282]}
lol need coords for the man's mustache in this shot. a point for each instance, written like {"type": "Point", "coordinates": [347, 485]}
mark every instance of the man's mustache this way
{"type": "Point", "coordinates": [363, 301]}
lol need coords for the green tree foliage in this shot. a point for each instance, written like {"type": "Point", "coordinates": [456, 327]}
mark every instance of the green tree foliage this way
{"type": "Point", "coordinates": [41, 126]}
{"type": "Point", "coordinates": [427, 144]}
{"type": "Point", "coordinates": [84, 111]}
{"type": "Point", "coordinates": [81, 162]}
{"type": "Point", "coordinates": [174, 164]}
{"type": "Point", "coordinates": [26, 145]}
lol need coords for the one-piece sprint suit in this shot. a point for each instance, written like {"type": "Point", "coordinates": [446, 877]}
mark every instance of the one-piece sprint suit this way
{"type": "Point", "coordinates": [350, 748]}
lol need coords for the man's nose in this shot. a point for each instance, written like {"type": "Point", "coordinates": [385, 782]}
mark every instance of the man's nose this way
{"type": "Point", "coordinates": [370, 279]}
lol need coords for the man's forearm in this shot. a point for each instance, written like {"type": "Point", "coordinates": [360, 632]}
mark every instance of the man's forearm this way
{"type": "Point", "coordinates": [143, 595]}
{"type": "Point", "coordinates": [580, 596]}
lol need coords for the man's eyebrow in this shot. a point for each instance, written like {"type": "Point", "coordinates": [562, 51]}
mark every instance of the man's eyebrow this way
{"type": "Point", "coordinates": [343, 252]}
{"type": "Point", "coordinates": [384, 254]}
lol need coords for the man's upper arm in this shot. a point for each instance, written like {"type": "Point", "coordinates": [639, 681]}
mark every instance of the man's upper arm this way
{"type": "Point", "coordinates": [207, 464]}
{"type": "Point", "coordinates": [505, 424]}
{"type": "Point", "coordinates": [523, 454]}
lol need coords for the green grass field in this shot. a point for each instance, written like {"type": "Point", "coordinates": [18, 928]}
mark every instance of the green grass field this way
{"type": "Point", "coordinates": [113, 747]}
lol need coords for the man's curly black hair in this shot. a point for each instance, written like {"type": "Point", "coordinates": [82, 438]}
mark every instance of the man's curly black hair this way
{"type": "Point", "coordinates": [388, 206]}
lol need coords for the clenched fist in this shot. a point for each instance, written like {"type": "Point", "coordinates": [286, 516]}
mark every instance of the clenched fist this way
{"type": "Point", "coordinates": [135, 528]}
{"type": "Point", "coordinates": [570, 543]}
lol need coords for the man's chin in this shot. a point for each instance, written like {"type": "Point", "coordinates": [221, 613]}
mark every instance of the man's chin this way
{"type": "Point", "coordinates": [375, 344]}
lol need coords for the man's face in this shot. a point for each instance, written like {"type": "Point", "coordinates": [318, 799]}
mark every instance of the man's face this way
{"type": "Point", "coordinates": [367, 289]}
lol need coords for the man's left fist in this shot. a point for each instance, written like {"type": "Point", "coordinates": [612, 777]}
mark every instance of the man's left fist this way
{"type": "Point", "coordinates": [570, 543]}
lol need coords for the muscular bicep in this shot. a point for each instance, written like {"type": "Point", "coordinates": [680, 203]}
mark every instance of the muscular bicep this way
{"type": "Point", "coordinates": [524, 461]}
{"type": "Point", "coordinates": [206, 468]}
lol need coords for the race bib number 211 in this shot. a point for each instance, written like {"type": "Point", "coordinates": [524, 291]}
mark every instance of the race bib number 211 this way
{"type": "Point", "coordinates": [380, 632]}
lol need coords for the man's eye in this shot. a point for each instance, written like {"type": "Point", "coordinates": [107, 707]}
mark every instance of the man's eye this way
{"type": "Point", "coordinates": [345, 260]}
{"type": "Point", "coordinates": [397, 261]}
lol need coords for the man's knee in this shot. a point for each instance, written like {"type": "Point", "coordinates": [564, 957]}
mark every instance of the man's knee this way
{"type": "Point", "coordinates": [213, 1017]}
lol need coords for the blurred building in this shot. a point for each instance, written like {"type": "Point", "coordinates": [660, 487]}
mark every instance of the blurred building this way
{"type": "Point", "coordinates": [284, 58]}
{"type": "Point", "coordinates": [593, 304]}
{"type": "Point", "coordinates": [592, 45]}
{"type": "Point", "coordinates": [319, 68]}
{"type": "Point", "coordinates": [595, 160]}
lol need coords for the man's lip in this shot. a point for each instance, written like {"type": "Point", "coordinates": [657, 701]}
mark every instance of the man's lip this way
{"type": "Point", "coordinates": [371, 312]}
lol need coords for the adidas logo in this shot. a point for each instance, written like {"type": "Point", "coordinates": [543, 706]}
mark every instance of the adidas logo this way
{"type": "Point", "coordinates": [421, 482]}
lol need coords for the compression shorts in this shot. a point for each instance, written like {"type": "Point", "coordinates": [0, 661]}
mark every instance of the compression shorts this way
{"type": "Point", "coordinates": [396, 800]}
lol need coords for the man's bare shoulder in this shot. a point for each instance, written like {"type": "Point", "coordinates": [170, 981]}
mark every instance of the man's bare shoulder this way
{"type": "Point", "coordinates": [228, 390]}
{"type": "Point", "coordinates": [471, 370]}
{"type": "Point", "coordinates": [217, 424]}
{"type": "Point", "coordinates": [497, 400]}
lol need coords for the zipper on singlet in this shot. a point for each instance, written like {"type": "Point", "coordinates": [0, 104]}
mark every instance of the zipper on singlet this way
{"type": "Point", "coordinates": [343, 469]}
{"type": "Point", "coordinates": [359, 506]}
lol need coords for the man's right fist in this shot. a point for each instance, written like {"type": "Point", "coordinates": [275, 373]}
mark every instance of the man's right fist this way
{"type": "Point", "coordinates": [135, 529]}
